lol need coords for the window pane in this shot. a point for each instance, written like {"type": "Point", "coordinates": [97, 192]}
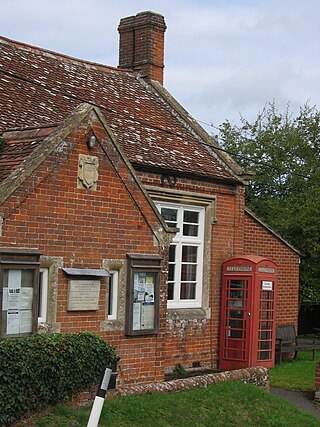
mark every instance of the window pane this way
{"type": "Point", "coordinates": [171, 272]}
{"type": "Point", "coordinates": [188, 291]}
{"type": "Point", "coordinates": [170, 291]}
{"type": "Point", "coordinates": [110, 299]}
{"type": "Point", "coordinates": [188, 272]}
{"type": "Point", "coordinates": [190, 216]}
{"type": "Point", "coordinates": [190, 230]}
{"type": "Point", "coordinates": [172, 253]}
{"type": "Point", "coordinates": [189, 253]}
{"type": "Point", "coordinates": [27, 278]}
{"type": "Point", "coordinates": [170, 216]}
{"type": "Point", "coordinates": [43, 295]}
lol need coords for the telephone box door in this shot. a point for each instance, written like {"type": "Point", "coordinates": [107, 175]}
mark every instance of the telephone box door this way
{"type": "Point", "coordinates": [236, 320]}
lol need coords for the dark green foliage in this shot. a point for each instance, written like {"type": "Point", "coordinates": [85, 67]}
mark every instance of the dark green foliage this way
{"type": "Point", "coordinates": [179, 369]}
{"type": "Point", "coordinates": [284, 153]}
{"type": "Point", "coordinates": [46, 368]}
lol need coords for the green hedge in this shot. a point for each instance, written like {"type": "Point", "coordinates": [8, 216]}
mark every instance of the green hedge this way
{"type": "Point", "coordinates": [46, 368]}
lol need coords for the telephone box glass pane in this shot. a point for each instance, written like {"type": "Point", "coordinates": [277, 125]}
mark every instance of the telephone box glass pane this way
{"type": "Point", "coordinates": [235, 314]}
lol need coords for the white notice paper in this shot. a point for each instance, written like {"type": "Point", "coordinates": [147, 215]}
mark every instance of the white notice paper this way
{"type": "Point", "coordinates": [147, 316]}
{"type": "Point", "coordinates": [267, 286]}
{"type": "Point", "coordinates": [150, 291]}
{"type": "Point", "coordinates": [13, 326]}
{"type": "Point", "coordinates": [13, 298]}
{"type": "Point", "coordinates": [136, 315]}
{"type": "Point", "coordinates": [26, 296]}
{"type": "Point", "coordinates": [25, 321]}
{"type": "Point", "coordinates": [5, 299]}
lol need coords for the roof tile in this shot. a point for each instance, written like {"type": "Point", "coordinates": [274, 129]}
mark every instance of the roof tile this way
{"type": "Point", "coordinates": [39, 88]}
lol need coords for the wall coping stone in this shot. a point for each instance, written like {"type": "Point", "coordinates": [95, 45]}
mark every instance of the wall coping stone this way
{"type": "Point", "coordinates": [258, 376]}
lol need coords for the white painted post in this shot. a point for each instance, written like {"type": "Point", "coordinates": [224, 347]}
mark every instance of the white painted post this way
{"type": "Point", "coordinates": [99, 400]}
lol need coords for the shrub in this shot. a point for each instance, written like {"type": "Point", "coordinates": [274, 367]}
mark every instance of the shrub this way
{"type": "Point", "coordinates": [46, 368]}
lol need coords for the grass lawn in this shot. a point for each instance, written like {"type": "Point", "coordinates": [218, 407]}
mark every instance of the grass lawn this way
{"type": "Point", "coordinates": [298, 374]}
{"type": "Point", "coordinates": [224, 404]}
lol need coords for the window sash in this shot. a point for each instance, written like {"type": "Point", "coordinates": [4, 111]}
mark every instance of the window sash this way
{"type": "Point", "coordinates": [184, 291]}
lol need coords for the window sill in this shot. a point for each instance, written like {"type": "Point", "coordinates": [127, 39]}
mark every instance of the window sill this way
{"type": "Point", "coordinates": [187, 313]}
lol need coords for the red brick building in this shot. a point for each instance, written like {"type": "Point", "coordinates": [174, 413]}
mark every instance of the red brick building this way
{"type": "Point", "coordinates": [103, 172]}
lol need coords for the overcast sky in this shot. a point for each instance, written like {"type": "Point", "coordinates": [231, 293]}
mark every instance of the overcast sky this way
{"type": "Point", "coordinates": [222, 58]}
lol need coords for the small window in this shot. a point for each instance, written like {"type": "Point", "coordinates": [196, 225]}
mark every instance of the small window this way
{"type": "Point", "coordinates": [113, 294]}
{"type": "Point", "coordinates": [43, 295]}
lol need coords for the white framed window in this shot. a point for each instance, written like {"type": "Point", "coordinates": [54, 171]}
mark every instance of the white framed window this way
{"type": "Point", "coordinates": [185, 254]}
{"type": "Point", "coordinates": [113, 294]}
{"type": "Point", "coordinates": [43, 295]}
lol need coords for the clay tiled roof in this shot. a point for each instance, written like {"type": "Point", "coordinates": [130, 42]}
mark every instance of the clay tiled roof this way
{"type": "Point", "coordinates": [17, 146]}
{"type": "Point", "coordinates": [38, 88]}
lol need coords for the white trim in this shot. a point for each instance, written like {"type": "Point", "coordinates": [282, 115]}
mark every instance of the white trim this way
{"type": "Point", "coordinates": [43, 292]}
{"type": "Point", "coordinates": [114, 282]}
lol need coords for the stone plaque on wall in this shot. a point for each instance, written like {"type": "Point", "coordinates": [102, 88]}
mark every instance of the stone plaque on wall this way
{"type": "Point", "coordinates": [88, 172]}
{"type": "Point", "coordinates": [83, 295]}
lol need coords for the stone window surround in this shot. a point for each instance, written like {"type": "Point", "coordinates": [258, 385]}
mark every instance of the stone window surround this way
{"type": "Point", "coordinates": [117, 324]}
{"type": "Point", "coordinates": [53, 264]}
{"type": "Point", "coordinates": [209, 203]}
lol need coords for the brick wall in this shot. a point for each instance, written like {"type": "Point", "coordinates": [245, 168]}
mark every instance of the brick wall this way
{"type": "Point", "coordinates": [259, 240]}
{"type": "Point", "coordinates": [195, 337]}
{"type": "Point", "coordinates": [233, 233]}
{"type": "Point", "coordinates": [85, 229]}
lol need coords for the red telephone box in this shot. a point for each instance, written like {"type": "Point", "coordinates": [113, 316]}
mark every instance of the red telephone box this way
{"type": "Point", "coordinates": [248, 303]}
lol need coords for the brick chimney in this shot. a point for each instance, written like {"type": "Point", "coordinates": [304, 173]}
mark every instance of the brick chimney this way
{"type": "Point", "coordinates": [142, 44]}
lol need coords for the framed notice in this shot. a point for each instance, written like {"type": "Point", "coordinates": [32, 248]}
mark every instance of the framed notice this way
{"type": "Point", "coordinates": [142, 308]}
{"type": "Point", "coordinates": [19, 291]}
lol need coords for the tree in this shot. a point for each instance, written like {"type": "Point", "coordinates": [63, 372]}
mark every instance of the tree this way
{"type": "Point", "coordinates": [284, 153]}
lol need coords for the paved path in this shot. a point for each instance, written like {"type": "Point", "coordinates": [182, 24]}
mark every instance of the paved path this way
{"type": "Point", "coordinates": [303, 400]}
